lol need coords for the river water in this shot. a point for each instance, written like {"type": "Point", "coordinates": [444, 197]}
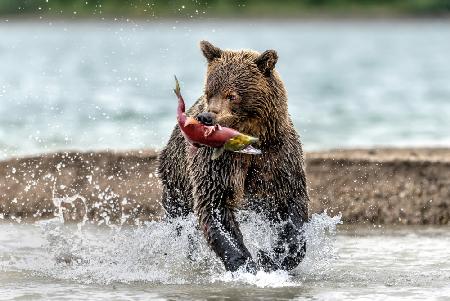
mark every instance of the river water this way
{"type": "Point", "coordinates": [97, 85]}
{"type": "Point", "coordinates": [52, 261]}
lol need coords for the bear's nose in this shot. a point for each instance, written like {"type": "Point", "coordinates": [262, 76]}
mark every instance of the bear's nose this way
{"type": "Point", "coordinates": [206, 118]}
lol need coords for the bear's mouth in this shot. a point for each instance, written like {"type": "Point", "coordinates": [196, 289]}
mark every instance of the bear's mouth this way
{"type": "Point", "coordinates": [209, 119]}
{"type": "Point", "coordinates": [244, 125]}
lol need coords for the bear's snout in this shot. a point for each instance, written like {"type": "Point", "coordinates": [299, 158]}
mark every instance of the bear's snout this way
{"type": "Point", "coordinates": [207, 118]}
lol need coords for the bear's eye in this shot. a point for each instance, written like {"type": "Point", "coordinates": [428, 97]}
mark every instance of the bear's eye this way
{"type": "Point", "coordinates": [231, 97]}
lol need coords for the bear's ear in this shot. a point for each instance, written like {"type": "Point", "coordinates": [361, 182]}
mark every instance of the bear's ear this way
{"type": "Point", "coordinates": [210, 51]}
{"type": "Point", "coordinates": [266, 61]}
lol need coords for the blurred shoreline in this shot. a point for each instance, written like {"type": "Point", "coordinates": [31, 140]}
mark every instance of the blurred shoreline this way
{"type": "Point", "coordinates": [263, 20]}
{"type": "Point", "coordinates": [407, 186]}
{"type": "Point", "coordinates": [324, 9]}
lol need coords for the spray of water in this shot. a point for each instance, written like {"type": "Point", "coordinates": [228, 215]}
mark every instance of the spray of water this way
{"type": "Point", "coordinates": [171, 252]}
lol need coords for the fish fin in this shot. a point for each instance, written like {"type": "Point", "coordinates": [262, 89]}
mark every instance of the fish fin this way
{"type": "Point", "coordinates": [250, 150]}
{"type": "Point", "coordinates": [217, 152]}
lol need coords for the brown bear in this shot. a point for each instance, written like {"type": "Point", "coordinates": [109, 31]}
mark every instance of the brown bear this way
{"type": "Point", "coordinates": [242, 91]}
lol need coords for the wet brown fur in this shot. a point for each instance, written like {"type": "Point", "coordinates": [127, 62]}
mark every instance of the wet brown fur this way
{"type": "Point", "coordinates": [243, 91]}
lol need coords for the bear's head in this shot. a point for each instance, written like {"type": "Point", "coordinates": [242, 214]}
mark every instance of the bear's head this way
{"type": "Point", "coordinates": [244, 91]}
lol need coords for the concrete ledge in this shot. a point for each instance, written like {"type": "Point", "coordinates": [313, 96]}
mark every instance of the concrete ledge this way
{"type": "Point", "coordinates": [377, 186]}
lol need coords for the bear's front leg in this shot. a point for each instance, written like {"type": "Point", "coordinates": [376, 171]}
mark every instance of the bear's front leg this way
{"type": "Point", "coordinates": [217, 185]}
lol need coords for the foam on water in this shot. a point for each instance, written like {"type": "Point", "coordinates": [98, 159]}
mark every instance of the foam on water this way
{"type": "Point", "coordinates": [169, 252]}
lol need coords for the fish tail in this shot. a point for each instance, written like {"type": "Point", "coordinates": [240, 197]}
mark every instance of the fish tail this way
{"type": "Point", "coordinates": [181, 106]}
{"type": "Point", "coordinates": [177, 87]}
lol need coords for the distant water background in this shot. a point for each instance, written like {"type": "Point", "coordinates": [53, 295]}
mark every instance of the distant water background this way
{"type": "Point", "coordinates": [99, 85]}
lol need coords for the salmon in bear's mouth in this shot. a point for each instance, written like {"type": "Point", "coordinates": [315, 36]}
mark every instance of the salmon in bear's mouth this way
{"type": "Point", "coordinates": [218, 137]}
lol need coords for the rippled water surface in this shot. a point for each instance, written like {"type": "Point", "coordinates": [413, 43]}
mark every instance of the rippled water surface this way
{"type": "Point", "coordinates": [50, 261]}
{"type": "Point", "coordinates": [94, 85]}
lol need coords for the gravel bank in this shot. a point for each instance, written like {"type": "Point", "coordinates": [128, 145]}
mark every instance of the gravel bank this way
{"type": "Point", "coordinates": [376, 186]}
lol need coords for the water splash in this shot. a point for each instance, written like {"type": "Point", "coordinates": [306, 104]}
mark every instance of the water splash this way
{"type": "Point", "coordinates": [71, 209]}
{"type": "Point", "coordinates": [172, 252]}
